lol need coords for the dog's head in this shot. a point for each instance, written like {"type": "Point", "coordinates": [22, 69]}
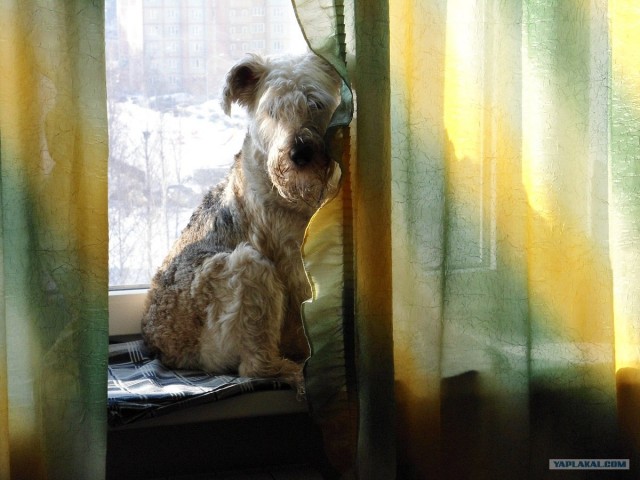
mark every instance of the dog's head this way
{"type": "Point", "coordinates": [290, 101]}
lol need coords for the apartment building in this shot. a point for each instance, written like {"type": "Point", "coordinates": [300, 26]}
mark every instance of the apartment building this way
{"type": "Point", "coordinates": [187, 46]}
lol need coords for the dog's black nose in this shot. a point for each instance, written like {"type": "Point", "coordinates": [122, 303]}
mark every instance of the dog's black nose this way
{"type": "Point", "coordinates": [301, 154]}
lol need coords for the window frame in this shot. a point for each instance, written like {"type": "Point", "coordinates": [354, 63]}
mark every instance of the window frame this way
{"type": "Point", "coordinates": [126, 306]}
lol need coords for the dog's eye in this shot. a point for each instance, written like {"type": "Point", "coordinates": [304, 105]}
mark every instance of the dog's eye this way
{"type": "Point", "coordinates": [315, 105]}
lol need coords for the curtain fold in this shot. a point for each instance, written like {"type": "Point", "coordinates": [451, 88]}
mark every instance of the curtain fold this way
{"type": "Point", "coordinates": [53, 242]}
{"type": "Point", "coordinates": [493, 172]}
{"type": "Point", "coordinates": [372, 196]}
{"type": "Point", "coordinates": [328, 253]}
{"type": "Point", "coordinates": [347, 250]}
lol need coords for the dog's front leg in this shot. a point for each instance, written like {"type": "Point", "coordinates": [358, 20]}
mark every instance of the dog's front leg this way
{"type": "Point", "coordinates": [244, 300]}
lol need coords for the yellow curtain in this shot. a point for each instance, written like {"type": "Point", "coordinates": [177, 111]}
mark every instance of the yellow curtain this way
{"type": "Point", "coordinates": [494, 199]}
{"type": "Point", "coordinates": [624, 22]}
{"type": "Point", "coordinates": [515, 241]}
{"type": "Point", "coordinates": [53, 240]}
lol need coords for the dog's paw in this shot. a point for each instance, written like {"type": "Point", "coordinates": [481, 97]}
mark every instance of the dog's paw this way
{"type": "Point", "coordinates": [280, 368]}
{"type": "Point", "coordinates": [292, 373]}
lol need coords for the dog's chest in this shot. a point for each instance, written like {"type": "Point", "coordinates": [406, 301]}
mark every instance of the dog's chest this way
{"type": "Point", "coordinates": [288, 262]}
{"type": "Point", "coordinates": [279, 238]}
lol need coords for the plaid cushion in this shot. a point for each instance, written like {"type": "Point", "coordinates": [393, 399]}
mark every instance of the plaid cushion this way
{"type": "Point", "coordinates": [141, 387]}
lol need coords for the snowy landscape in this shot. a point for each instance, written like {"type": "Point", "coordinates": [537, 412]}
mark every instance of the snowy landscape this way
{"type": "Point", "coordinates": [162, 161]}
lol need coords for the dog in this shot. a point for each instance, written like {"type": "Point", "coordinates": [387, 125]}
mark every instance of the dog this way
{"type": "Point", "coordinates": [227, 297]}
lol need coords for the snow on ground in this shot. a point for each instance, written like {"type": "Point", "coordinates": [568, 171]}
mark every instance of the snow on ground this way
{"type": "Point", "coordinates": [206, 137]}
{"type": "Point", "coordinates": [189, 147]}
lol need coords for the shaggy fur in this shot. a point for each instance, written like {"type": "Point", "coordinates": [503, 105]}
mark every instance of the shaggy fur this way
{"type": "Point", "coordinates": [227, 297]}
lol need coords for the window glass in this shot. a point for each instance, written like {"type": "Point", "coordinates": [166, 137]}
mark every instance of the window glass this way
{"type": "Point", "coordinates": [169, 140]}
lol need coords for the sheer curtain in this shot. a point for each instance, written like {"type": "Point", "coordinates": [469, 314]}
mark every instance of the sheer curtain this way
{"type": "Point", "coordinates": [476, 283]}
{"type": "Point", "coordinates": [493, 192]}
{"type": "Point", "coordinates": [513, 208]}
{"type": "Point", "coordinates": [53, 240]}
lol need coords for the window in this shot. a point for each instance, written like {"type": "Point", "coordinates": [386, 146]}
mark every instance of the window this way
{"type": "Point", "coordinates": [196, 65]}
{"type": "Point", "coordinates": [152, 32]}
{"type": "Point", "coordinates": [172, 47]}
{"type": "Point", "coordinates": [196, 48]}
{"type": "Point", "coordinates": [169, 140]}
{"type": "Point", "coordinates": [257, 45]}
{"type": "Point", "coordinates": [196, 31]}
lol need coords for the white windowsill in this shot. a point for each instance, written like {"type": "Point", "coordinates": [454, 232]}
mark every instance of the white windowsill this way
{"type": "Point", "coordinates": [125, 311]}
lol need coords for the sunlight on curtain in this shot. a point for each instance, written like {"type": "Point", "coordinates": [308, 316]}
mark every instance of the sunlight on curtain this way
{"type": "Point", "coordinates": [624, 208]}
{"type": "Point", "coordinates": [515, 233]}
{"type": "Point", "coordinates": [53, 240]}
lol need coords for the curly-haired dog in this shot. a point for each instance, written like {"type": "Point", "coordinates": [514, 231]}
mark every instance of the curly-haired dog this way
{"type": "Point", "coordinates": [227, 297]}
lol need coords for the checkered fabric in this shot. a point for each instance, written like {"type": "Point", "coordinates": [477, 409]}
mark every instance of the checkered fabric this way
{"type": "Point", "coordinates": [141, 387]}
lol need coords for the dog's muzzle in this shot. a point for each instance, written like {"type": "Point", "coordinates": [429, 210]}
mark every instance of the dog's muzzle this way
{"type": "Point", "coordinates": [301, 153]}
{"type": "Point", "coordinates": [308, 146]}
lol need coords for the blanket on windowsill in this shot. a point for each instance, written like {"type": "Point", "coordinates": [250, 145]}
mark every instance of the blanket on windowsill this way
{"type": "Point", "coordinates": [140, 387]}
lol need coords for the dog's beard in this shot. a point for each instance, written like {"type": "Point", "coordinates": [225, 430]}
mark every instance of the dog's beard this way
{"type": "Point", "coordinates": [309, 185]}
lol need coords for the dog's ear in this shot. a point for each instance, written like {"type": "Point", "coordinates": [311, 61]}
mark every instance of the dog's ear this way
{"type": "Point", "coordinates": [242, 81]}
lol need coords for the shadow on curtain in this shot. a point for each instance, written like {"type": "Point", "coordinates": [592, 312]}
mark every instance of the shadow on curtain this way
{"type": "Point", "coordinates": [53, 240]}
{"type": "Point", "coordinates": [496, 231]}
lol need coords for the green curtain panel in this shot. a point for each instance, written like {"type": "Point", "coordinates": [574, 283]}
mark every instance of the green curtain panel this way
{"type": "Point", "coordinates": [513, 205]}
{"type": "Point", "coordinates": [53, 240]}
{"type": "Point", "coordinates": [495, 225]}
